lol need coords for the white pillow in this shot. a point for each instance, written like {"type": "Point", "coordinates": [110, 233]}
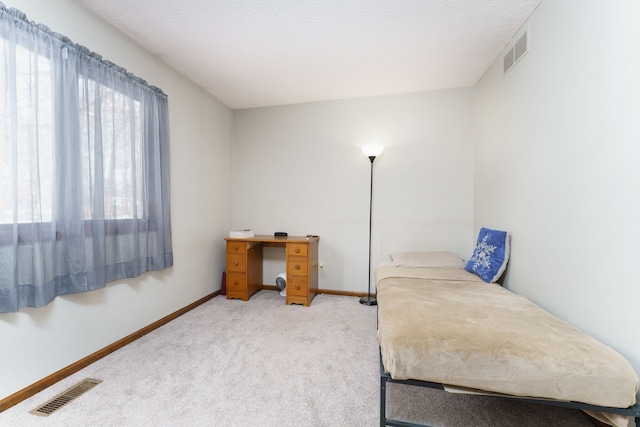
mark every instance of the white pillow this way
{"type": "Point", "coordinates": [427, 259]}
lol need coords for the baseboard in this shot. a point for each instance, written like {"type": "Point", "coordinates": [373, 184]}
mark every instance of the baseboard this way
{"type": "Point", "coordinates": [326, 291]}
{"type": "Point", "coordinates": [44, 383]}
{"type": "Point", "coordinates": [344, 293]}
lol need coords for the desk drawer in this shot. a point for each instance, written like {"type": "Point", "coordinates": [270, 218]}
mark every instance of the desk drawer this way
{"type": "Point", "coordinates": [236, 247]}
{"type": "Point", "coordinates": [236, 263]}
{"type": "Point", "coordinates": [237, 283]}
{"type": "Point", "coordinates": [297, 266]}
{"type": "Point", "coordinates": [297, 286]}
{"type": "Point", "coordinates": [299, 249]}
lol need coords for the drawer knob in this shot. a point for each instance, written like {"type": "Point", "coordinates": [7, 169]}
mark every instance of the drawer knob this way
{"type": "Point", "coordinates": [297, 267]}
{"type": "Point", "coordinates": [297, 250]}
{"type": "Point", "coordinates": [236, 282]}
{"type": "Point", "coordinates": [297, 287]}
{"type": "Point", "coordinates": [236, 263]}
{"type": "Point", "coordinates": [236, 247]}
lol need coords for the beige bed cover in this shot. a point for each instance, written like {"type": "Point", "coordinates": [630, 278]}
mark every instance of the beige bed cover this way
{"type": "Point", "coordinates": [450, 327]}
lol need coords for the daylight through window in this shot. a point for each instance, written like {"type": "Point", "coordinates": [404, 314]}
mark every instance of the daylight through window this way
{"type": "Point", "coordinates": [84, 168]}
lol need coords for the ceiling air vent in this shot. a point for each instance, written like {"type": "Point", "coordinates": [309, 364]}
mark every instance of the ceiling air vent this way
{"type": "Point", "coordinates": [517, 51]}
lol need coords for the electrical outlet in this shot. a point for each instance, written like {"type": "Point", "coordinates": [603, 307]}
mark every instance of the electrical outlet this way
{"type": "Point", "coordinates": [321, 265]}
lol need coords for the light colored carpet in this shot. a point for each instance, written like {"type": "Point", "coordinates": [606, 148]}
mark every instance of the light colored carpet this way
{"type": "Point", "coordinates": [262, 363]}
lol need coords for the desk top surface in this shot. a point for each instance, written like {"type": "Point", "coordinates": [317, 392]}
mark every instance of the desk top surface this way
{"type": "Point", "coordinates": [272, 239]}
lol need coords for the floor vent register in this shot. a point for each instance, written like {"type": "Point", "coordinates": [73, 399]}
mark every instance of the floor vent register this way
{"type": "Point", "coordinates": [65, 397]}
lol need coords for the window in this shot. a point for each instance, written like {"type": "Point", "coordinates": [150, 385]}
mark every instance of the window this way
{"type": "Point", "coordinates": [84, 169]}
{"type": "Point", "coordinates": [117, 115]}
{"type": "Point", "coordinates": [28, 114]}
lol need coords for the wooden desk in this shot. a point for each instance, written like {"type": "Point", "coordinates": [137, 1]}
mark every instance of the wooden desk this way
{"type": "Point", "coordinates": [244, 266]}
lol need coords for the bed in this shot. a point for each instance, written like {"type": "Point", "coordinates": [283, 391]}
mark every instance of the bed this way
{"type": "Point", "coordinates": [445, 327]}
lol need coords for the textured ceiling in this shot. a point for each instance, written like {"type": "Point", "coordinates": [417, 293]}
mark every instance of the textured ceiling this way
{"type": "Point", "coordinates": [253, 53]}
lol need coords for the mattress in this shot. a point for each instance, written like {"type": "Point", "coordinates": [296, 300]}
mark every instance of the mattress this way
{"type": "Point", "coordinates": [450, 327]}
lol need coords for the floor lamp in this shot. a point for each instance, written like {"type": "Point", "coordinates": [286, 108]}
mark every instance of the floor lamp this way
{"type": "Point", "coordinates": [371, 151]}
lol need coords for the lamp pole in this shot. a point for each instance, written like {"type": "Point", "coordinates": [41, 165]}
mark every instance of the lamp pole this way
{"type": "Point", "coordinates": [371, 151]}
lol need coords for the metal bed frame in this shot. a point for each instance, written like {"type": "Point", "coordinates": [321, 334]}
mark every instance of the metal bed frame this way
{"type": "Point", "coordinates": [385, 377]}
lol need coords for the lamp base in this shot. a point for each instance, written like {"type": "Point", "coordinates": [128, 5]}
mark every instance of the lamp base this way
{"type": "Point", "coordinates": [368, 301]}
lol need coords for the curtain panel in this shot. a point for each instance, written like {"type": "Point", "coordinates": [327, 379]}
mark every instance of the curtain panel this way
{"type": "Point", "coordinates": [84, 168]}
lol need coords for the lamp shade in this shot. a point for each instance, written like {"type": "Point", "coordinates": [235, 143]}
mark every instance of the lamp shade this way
{"type": "Point", "coordinates": [372, 150]}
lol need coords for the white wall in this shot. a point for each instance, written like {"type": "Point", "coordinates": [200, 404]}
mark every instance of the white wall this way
{"type": "Point", "coordinates": [557, 163]}
{"type": "Point", "coordinates": [39, 342]}
{"type": "Point", "coordinates": [299, 169]}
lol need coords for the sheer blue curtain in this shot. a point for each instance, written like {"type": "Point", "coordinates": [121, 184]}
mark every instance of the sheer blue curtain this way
{"type": "Point", "coordinates": [84, 168]}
